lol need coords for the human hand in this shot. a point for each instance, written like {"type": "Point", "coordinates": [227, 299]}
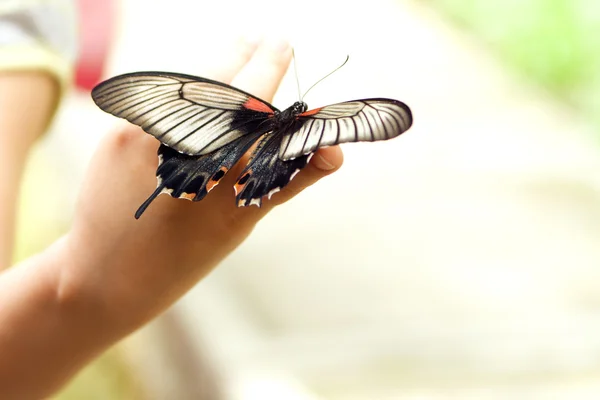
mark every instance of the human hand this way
{"type": "Point", "coordinates": [140, 267]}
{"type": "Point", "coordinates": [112, 273]}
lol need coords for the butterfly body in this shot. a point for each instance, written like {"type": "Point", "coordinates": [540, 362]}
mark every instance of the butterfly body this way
{"type": "Point", "coordinates": [291, 113]}
{"type": "Point", "coordinates": [206, 126]}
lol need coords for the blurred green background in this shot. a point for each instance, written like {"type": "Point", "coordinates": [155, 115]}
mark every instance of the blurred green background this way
{"type": "Point", "coordinates": [554, 43]}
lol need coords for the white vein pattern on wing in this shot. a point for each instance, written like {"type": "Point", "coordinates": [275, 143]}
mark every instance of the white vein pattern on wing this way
{"type": "Point", "coordinates": [214, 96]}
{"type": "Point", "coordinates": [186, 127]}
{"type": "Point", "coordinates": [123, 102]}
{"type": "Point", "coordinates": [376, 120]}
{"type": "Point", "coordinates": [189, 116]}
{"type": "Point", "coordinates": [133, 81]}
{"type": "Point", "coordinates": [340, 110]}
{"type": "Point", "coordinates": [173, 119]}
{"type": "Point", "coordinates": [159, 112]}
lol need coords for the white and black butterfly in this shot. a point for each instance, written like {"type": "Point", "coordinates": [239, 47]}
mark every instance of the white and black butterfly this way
{"type": "Point", "coordinates": [205, 127]}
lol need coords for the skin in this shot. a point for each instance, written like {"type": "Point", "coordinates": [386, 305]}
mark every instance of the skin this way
{"type": "Point", "coordinates": [110, 274]}
{"type": "Point", "coordinates": [27, 101]}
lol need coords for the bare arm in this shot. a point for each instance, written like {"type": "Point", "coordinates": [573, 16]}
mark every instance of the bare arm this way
{"type": "Point", "coordinates": [27, 101]}
{"type": "Point", "coordinates": [111, 273]}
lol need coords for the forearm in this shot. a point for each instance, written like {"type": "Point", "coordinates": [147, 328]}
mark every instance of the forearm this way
{"type": "Point", "coordinates": [109, 275]}
{"type": "Point", "coordinates": [43, 341]}
{"type": "Point", "coordinates": [27, 101]}
{"type": "Point", "coordinates": [60, 309]}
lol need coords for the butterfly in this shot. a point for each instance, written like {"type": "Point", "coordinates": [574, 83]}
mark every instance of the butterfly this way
{"type": "Point", "coordinates": [206, 126]}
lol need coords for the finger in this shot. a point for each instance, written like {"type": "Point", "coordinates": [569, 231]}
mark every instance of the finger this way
{"type": "Point", "coordinates": [324, 162]}
{"type": "Point", "coordinates": [261, 76]}
{"type": "Point", "coordinates": [264, 71]}
{"type": "Point", "coordinates": [226, 66]}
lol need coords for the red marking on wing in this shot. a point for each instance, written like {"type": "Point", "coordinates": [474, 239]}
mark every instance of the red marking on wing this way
{"type": "Point", "coordinates": [310, 112]}
{"type": "Point", "coordinates": [257, 105]}
{"type": "Point", "coordinates": [238, 187]}
{"type": "Point", "coordinates": [214, 182]}
{"type": "Point", "coordinates": [187, 196]}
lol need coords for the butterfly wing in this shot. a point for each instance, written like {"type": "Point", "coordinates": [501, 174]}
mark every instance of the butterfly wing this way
{"type": "Point", "coordinates": [266, 173]}
{"type": "Point", "coordinates": [353, 121]}
{"type": "Point", "coordinates": [206, 126]}
{"type": "Point", "coordinates": [192, 115]}
{"type": "Point", "coordinates": [192, 177]}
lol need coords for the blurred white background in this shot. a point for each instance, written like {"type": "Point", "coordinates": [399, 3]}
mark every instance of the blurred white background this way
{"type": "Point", "coordinates": [459, 261]}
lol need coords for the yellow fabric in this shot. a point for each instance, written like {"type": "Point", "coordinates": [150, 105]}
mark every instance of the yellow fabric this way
{"type": "Point", "coordinates": [49, 46]}
{"type": "Point", "coordinates": [36, 57]}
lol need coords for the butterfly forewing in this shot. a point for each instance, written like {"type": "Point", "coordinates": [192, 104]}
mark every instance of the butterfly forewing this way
{"type": "Point", "coordinates": [192, 115]}
{"type": "Point", "coordinates": [354, 121]}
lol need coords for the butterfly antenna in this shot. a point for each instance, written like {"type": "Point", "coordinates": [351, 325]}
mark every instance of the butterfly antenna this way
{"type": "Point", "coordinates": [326, 76]}
{"type": "Point", "coordinates": [296, 73]}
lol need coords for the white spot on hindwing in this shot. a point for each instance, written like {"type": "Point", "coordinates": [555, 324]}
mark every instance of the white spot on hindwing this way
{"type": "Point", "coordinates": [272, 192]}
{"type": "Point", "coordinates": [255, 202]}
{"type": "Point", "coordinates": [294, 174]}
{"type": "Point", "coordinates": [158, 177]}
{"type": "Point", "coordinates": [187, 196]}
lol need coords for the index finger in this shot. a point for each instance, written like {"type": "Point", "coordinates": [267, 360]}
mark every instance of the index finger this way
{"type": "Point", "coordinates": [263, 73]}
{"type": "Point", "coordinates": [227, 65]}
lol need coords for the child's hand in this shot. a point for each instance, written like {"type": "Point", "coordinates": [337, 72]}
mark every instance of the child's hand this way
{"type": "Point", "coordinates": [111, 273]}
{"type": "Point", "coordinates": [139, 267]}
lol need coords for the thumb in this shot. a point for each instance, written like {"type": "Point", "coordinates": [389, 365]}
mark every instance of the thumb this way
{"type": "Point", "coordinates": [324, 162]}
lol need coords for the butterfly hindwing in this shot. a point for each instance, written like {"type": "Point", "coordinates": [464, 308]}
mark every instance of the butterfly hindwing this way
{"type": "Point", "coordinates": [189, 114]}
{"type": "Point", "coordinates": [266, 173]}
{"type": "Point", "coordinates": [353, 121]}
{"type": "Point", "coordinates": [192, 177]}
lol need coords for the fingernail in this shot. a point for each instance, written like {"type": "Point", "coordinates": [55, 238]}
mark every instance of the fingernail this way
{"type": "Point", "coordinates": [321, 163]}
{"type": "Point", "coordinates": [277, 45]}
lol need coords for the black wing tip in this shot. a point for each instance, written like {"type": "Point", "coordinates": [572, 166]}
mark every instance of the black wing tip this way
{"type": "Point", "coordinates": [402, 105]}
{"type": "Point", "coordinates": [143, 207]}
{"type": "Point", "coordinates": [140, 211]}
{"type": "Point", "coordinates": [94, 94]}
{"type": "Point", "coordinates": [149, 200]}
{"type": "Point", "coordinates": [399, 103]}
{"type": "Point", "coordinates": [409, 114]}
